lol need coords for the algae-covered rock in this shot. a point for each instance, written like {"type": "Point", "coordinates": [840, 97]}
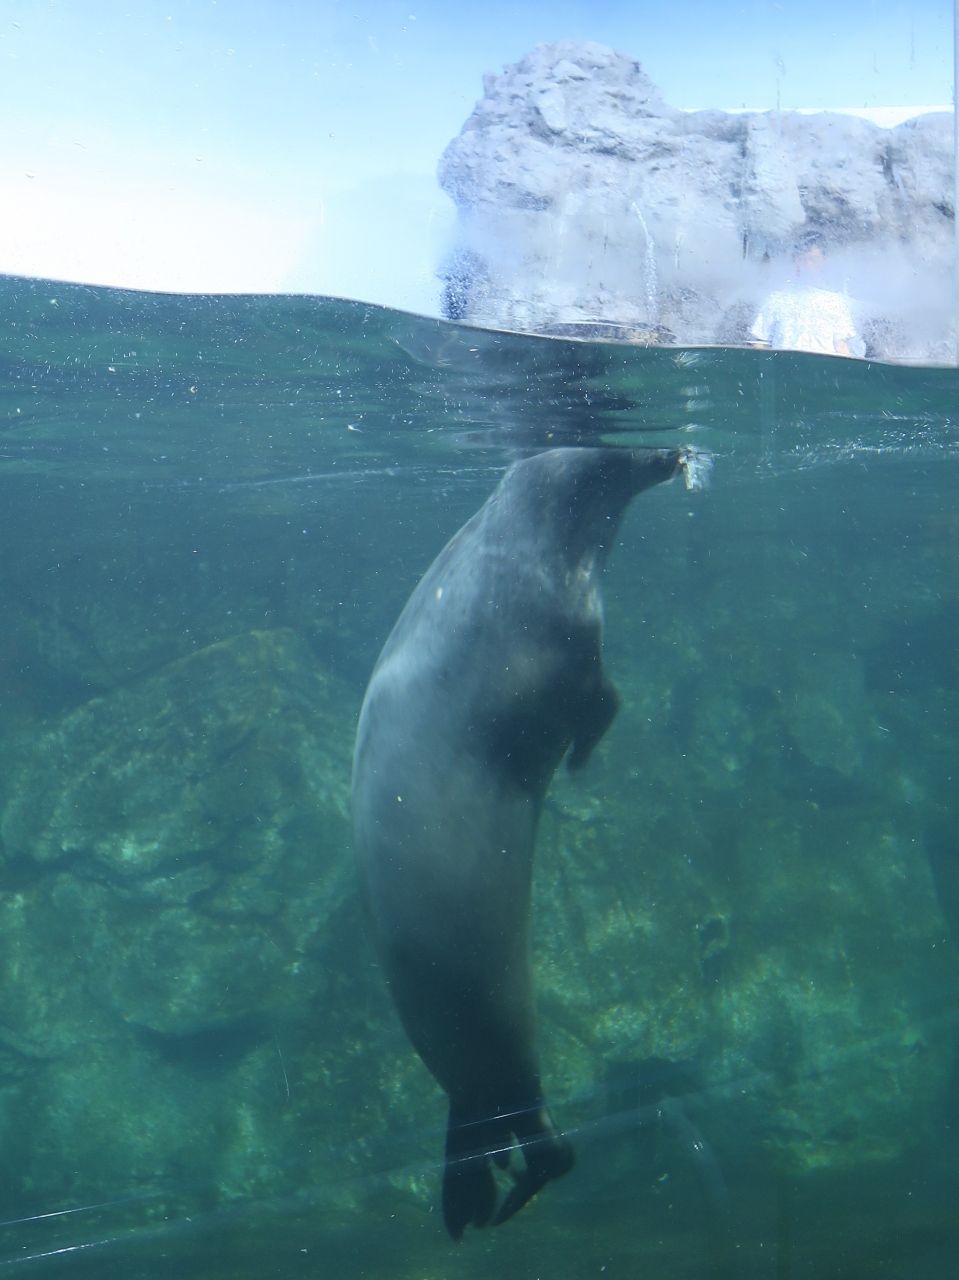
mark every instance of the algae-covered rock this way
{"type": "Point", "coordinates": [204, 819]}
{"type": "Point", "coordinates": [740, 884]}
{"type": "Point", "coordinates": [175, 853]}
{"type": "Point", "coordinates": [826, 711]}
{"type": "Point", "coordinates": [789, 963]}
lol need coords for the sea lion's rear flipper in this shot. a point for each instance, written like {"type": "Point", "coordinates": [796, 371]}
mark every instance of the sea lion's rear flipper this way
{"type": "Point", "coordinates": [469, 1189]}
{"type": "Point", "coordinates": [548, 1155]}
{"type": "Point", "coordinates": [593, 717]}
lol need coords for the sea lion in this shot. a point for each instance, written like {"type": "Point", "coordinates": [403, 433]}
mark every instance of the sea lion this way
{"type": "Point", "coordinates": [491, 674]}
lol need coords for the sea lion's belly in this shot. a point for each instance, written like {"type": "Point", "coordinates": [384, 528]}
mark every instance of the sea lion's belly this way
{"type": "Point", "coordinates": [444, 850]}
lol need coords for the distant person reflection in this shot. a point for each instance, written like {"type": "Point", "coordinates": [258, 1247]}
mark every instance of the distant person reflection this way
{"type": "Point", "coordinates": [806, 317]}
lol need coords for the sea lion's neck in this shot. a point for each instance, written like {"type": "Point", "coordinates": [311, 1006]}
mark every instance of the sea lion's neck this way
{"type": "Point", "coordinates": [568, 503]}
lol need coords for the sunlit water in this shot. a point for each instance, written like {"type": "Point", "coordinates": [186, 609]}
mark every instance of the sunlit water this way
{"type": "Point", "coordinates": [746, 909]}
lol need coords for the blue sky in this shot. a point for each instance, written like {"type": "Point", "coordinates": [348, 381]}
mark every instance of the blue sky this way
{"type": "Point", "coordinates": [282, 145]}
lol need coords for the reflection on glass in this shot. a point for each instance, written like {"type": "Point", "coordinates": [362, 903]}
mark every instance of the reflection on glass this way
{"type": "Point", "coordinates": [807, 317]}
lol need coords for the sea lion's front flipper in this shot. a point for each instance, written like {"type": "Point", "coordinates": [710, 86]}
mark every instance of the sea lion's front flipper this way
{"type": "Point", "coordinates": [594, 716]}
{"type": "Point", "coordinates": [548, 1155]}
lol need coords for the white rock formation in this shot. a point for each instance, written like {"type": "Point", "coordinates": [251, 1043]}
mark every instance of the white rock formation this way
{"type": "Point", "coordinates": [588, 205]}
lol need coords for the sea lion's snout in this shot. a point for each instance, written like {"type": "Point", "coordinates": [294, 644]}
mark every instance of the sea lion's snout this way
{"type": "Point", "coordinates": [654, 466]}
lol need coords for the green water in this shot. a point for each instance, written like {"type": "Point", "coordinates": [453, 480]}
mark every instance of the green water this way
{"type": "Point", "coordinates": [746, 909]}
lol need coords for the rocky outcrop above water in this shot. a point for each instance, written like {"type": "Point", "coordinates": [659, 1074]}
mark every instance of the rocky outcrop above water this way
{"type": "Point", "coordinates": [590, 207]}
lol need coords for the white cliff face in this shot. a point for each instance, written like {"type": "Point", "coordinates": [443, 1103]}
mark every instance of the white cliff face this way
{"type": "Point", "coordinates": [588, 205]}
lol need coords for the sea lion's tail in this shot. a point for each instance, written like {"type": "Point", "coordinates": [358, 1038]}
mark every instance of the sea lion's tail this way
{"type": "Point", "coordinates": [469, 1189]}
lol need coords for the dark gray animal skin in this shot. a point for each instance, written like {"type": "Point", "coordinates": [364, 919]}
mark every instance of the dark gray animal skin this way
{"type": "Point", "coordinates": [491, 674]}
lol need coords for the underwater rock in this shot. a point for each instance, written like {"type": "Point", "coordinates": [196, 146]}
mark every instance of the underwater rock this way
{"type": "Point", "coordinates": [756, 963]}
{"type": "Point", "coordinates": [178, 1000]}
{"type": "Point", "coordinates": [744, 943]}
{"type": "Point", "coordinates": [826, 711]}
{"type": "Point", "coordinates": [584, 198]}
{"type": "Point", "coordinates": [743, 884]}
{"type": "Point", "coordinates": [198, 826]}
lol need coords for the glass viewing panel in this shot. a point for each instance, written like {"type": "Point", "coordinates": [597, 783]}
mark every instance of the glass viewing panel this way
{"type": "Point", "coordinates": [214, 507]}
